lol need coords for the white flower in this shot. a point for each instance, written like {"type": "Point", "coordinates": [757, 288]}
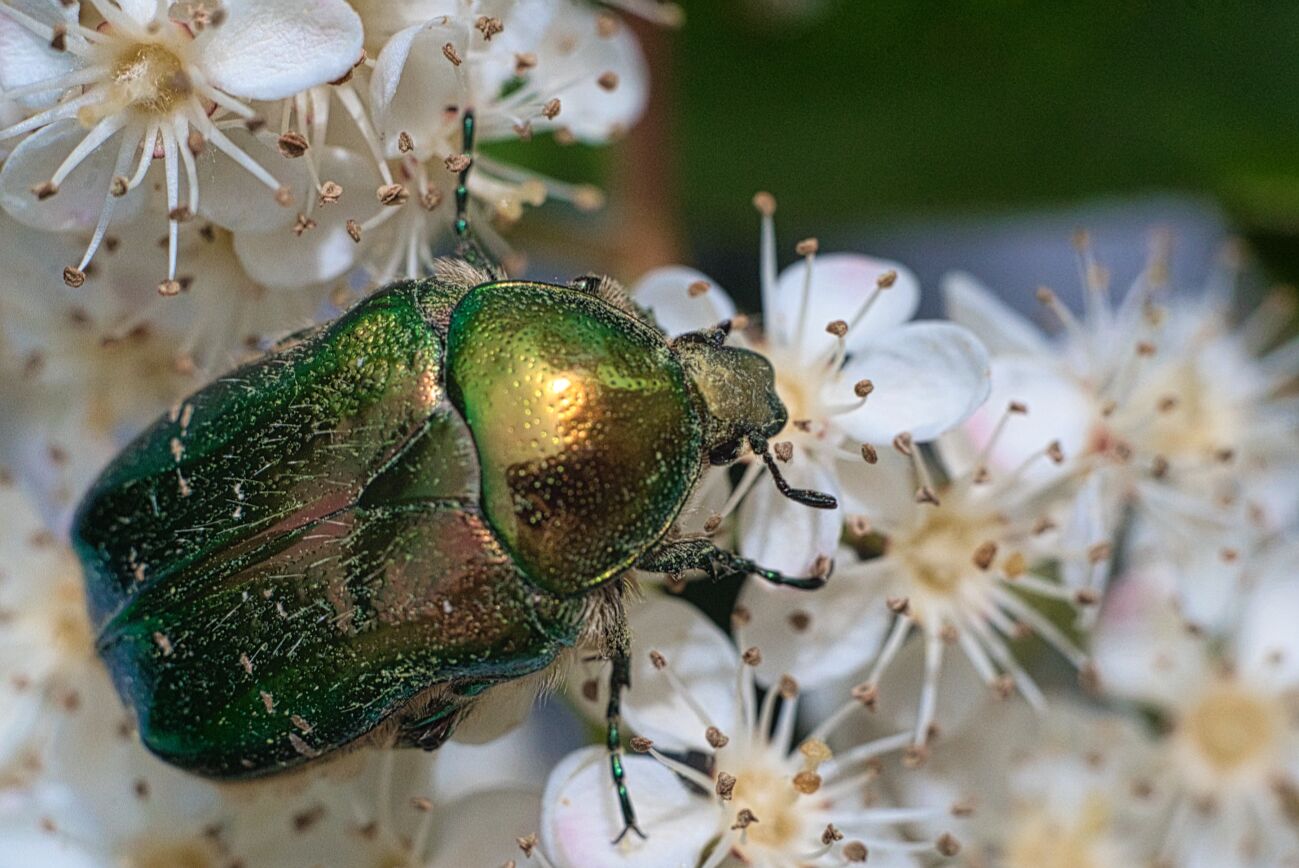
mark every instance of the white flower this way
{"type": "Point", "coordinates": [966, 562]}
{"type": "Point", "coordinates": [521, 66]}
{"type": "Point", "coordinates": [761, 799]}
{"type": "Point", "coordinates": [81, 384]}
{"type": "Point", "coordinates": [47, 656]}
{"type": "Point", "coordinates": [1226, 767]}
{"type": "Point", "coordinates": [1158, 398]}
{"type": "Point", "coordinates": [157, 80]}
{"type": "Point", "coordinates": [1052, 790]}
{"type": "Point", "coordinates": [850, 369]}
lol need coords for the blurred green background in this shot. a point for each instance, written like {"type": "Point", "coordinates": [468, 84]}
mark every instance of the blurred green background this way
{"type": "Point", "coordinates": [873, 112]}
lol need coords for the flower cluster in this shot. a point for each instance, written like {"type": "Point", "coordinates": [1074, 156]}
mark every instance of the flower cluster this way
{"type": "Point", "coordinates": [185, 180]}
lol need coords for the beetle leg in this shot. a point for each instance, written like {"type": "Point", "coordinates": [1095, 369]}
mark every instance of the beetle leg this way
{"type": "Point", "coordinates": [468, 247]}
{"type": "Point", "coordinates": [701, 554]}
{"type": "Point", "coordinates": [619, 679]}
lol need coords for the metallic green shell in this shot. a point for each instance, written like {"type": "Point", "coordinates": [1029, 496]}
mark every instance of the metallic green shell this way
{"type": "Point", "coordinates": [587, 430]}
{"type": "Point", "coordinates": [296, 554]}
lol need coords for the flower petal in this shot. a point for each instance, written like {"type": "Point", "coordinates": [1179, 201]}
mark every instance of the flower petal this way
{"type": "Point", "coordinates": [666, 293]}
{"type": "Point", "coordinates": [574, 58]}
{"type": "Point", "coordinates": [27, 59]}
{"type": "Point", "coordinates": [821, 636]}
{"type": "Point", "coordinates": [1059, 409]}
{"type": "Point", "coordinates": [271, 49]}
{"type": "Point", "coordinates": [884, 493]}
{"type": "Point", "coordinates": [928, 376]}
{"type": "Point", "coordinates": [1267, 644]}
{"type": "Point", "coordinates": [232, 197]}
{"type": "Point", "coordinates": [281, 260]}
{"type": "Point", "coordinates": [841, 284]}
{"type": "Point", "coordinates": [81, 196]}
{"type": "Point", "coordinates": [700, 655]}
{"type": "Point", "coordinates": [412, 75]}
{"type": "Point", "coordinates": [783, 535]}
{"type": "Point", "coordinates": [1001, 328]}
{"type": "Point", "coordinates": [580, 816]}
{"type": "Point", "coordinates": [464, 839]}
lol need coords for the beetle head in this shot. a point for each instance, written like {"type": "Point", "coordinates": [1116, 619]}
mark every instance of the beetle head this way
{"type": "Point", "coordinates": [738, 388]}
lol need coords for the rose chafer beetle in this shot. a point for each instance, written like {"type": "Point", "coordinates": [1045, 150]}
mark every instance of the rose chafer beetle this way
{"type": "Point", "coordinates": [352, 539]}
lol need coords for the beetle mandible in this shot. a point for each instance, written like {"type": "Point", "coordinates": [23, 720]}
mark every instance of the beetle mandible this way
{"type": "Point", "coordinates": [351, 539]}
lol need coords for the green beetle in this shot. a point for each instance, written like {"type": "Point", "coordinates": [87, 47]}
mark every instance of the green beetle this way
{"type": "Point", "coordinates": [352, 538]}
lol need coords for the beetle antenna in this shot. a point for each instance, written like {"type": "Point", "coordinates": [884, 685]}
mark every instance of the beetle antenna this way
{"type": "Point", "coordinates": [805, 496]}
{"type": "Point", "coordinates": [468, 247]}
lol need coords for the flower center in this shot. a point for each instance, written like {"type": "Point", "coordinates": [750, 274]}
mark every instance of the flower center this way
{"type": "Point", "coordinates": [1043, 841]}
{"type": "Point", "coordinates": [941, 551]}
{"type": "Point", "coordinates": [69, 626]}
{"type": "Point", "coordinates": [1231, 727]}
{"type": "Point", "coordinates": [770, 794]}
{"type": "Point", "coordinates": [193, 853]}
{"type": "Point", "coordinates": [150, 78]}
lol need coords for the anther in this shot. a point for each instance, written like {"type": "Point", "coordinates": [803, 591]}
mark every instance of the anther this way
{"type": "Point", "coordinates": [725, 786]}
{"type": "Point", "coordinates": [292, 144]}
{"type": "Point", "coordinates": [867, 694]}
{"type": "Point", "coordinates": [887, 279]}
{"type": "Point", "coordinates": [74, 277]}
{"type": "Point", "coordinates": [527, 844]}
{"type": "Point", "coordinates": [744, 819]}
{"type": "Point", "coordinates": [898, 605]}
{"type": "Point", "coordinates": [807, 247]}
{"type": "Point", "coordinates": [903, 444]}
{"type": "Point", "coordinates": [640, 744]}
{"type": "Point", "coordinates": [488, 26]}
{"type": "Point", "coordinates": [284, 196]}
{"type": "Point", "coordinates": [1055, 452]}
{"type": "Point", "coordinates": [765, 203]}
{"type": "Point", "coordinates": [837, 327]}
{"type": "Point", "coordinates": [947, 845]}
{"type": "Point", "coordinates": [330, 193]}
{"type": "Point", "coordinates": [450, 53]}
{"type": "Point", "coordinates": [716, 738]}
{"type": "Point", "coordinates": [606, 25]}
{"type": "Point", "coordinates": [392, 195]}
{"type": "Point", "coordinates": [752, 656]}
{"type": "Point", "coordinates": [659, 661]}
{"type": "Point", "coordinates": [45, 191]}
{"type": "Point", "coordinates": [524, 61]}
{"type": "Point", "coordinates": [551, 109]}
{"type": "Point", "coordinates": [457, 163]}
{"type": "Point", "coordinates": [869, 454]}
{"type": "Point", "coordinates": [925, 494]}
{"type": "Point", "coordinates": [784, 450]}
{"type": "Point", "coordinates": [985, 554]}
{"type": "Point", "coordinates": [787, 687]}
{"type": "Point", "coordinates": [799, 621]}
{"type": "Point", "coordinates": [608, 80]}
{"type": "Point", "coordinates": [855, 851]}
{"type": "Point", "coordinates": [405, 144]}
{"type": "Point", "coordinates": [862, 388]}
{"type": "Point", "coordinates": [354, 231]}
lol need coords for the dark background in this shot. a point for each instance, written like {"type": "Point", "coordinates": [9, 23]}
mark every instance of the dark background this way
{"type": "Point", "coordinates": [944, 134]}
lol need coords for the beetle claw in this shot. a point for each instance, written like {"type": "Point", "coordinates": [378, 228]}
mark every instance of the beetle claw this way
{"type": "Point", "coordinates": [630, 827]}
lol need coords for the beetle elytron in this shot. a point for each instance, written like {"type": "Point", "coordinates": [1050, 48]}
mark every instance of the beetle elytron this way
{"type": "Point", "coordinates": [353, 537]}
